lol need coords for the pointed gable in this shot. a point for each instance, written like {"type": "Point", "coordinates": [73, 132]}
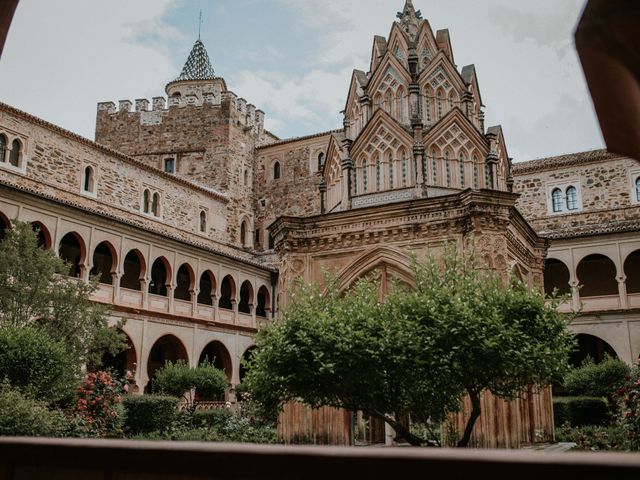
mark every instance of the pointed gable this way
{"type": "Point", "coordinates": [455, 131]}
{"type": "Point", "coordinates": [426, 47]}
{"type": "Point", "coordinates": [381, 133]}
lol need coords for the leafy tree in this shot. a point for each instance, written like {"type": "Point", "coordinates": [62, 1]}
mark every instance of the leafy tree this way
{"type": "Point", "coordinates": [179, 380]}
{"type": "Point", "coordinates": [34, 291]}
{"type": "Point", "coordinates": [461, 331]}
{"type": "Point", "coordinates": [40, 367]}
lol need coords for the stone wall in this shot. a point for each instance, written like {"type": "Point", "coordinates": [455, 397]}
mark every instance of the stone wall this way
{"type": "Point", "coordinates": [296, 193]}
{"type": "Point", "coordinates": [605, 185]}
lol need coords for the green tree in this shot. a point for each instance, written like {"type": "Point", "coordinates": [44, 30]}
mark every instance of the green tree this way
{"type": "Point", "coordinates": [459, 332]}
{"type": "Point", "coordinates": [34, 291]}
{"type": "Point", "coordinates": [180, 380]}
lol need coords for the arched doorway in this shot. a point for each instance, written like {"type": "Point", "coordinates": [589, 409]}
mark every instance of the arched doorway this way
{"type": "Point", "coordinates": [43, 237]}
{"type": "Point", "coordinates": [123, 361]}
{"type": "Point", "coordinates": [207, 292]}
{"type": "Point", "coordinates": [556, 277]}
{"type": "Point", "coordinates": [166, 349]}
{"type": "Point", "coordinates": [104, 263]}
{"type": "Point", "coordinates": [597, 275]}
{"type": "Point", "coordinates": [160, 275]}
{"type": "Point", "coordinates": [227, 293]}
{"type": "Point", "coordinates": [245, 358]}
{"type": "Point", "coordinates": [264, 302]}
{"type": "Point", "coordinates": [215, 352]}
{"type": "Point", "coordinates": [246, 298]}
{"type": "Point", "coordinates": [185, 280]}
{"type": "Point", "coordinates": [632, 272]}
{"type": "Point", "coordinates": [72, 251]}
{"type": "Point", "coordinates": [133, 271]}
{"type": "Point", "coordinates": [590, 346]}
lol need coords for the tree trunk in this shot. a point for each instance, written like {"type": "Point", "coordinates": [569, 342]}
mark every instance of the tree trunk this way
{"type": "Point", "coordinates": [400, 430]}
{"type": "Point", "coordinates": [475, 413]}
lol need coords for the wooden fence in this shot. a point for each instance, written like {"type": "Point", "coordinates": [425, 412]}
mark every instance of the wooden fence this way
{"type": "Point", "coordinates": [502, 424]}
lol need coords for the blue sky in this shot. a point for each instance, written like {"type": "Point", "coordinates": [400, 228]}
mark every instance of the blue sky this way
{"type": "Point", "coordinates": [293, 59]}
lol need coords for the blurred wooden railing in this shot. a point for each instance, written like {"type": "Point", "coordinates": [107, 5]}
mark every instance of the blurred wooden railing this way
{"type": "Point", "coordinates": [39, 459]}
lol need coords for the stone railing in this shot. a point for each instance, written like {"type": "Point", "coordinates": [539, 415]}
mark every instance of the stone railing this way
{"type": "Point", "coordinates": [39, 459]}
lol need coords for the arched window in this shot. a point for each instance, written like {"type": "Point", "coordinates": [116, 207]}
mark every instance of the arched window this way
{"type": "Point", "coordinates": [207, 292]}
{"type": "Point", "coordinates": [72, 251]}
{"type": "Point", "coordinates": [104, 263]}
{"type": "Point", "coordinates": [404, 170]}
{"type": "Point", "coordinates": [14, 155]}
{"type": "Point", "coordinates": [160, 277]}
{"type": "Point", "coordinates": [134, 271]}
{"type": "Point", "coordinates": [572, 198]}
{"type": "Point", "coordinates": [185, 283]}
{"type": "Point", "coordinates": [427, 106]}
{"type": "Point", "coordinates": [203, 221]}
{"type": "Point", "coordinates": [378, 173]}
{"type": "Point", "coordinates": [3, 147]}
{"type": "Point", "coordinates": [320, 160]}
{"type": "Point", "coordinates": [276, 170]}
{"type": "Point", "coordinates": [246, 298]}
{"type": "Point", "coordinates": [146, 201]}
{"type": "Point", "coordinates": [638, 189]}
{"type": "Point", "coordinates": [597, 275]}
{"type": "Point", "coordinates": [354, 181]}
{"type": "Point", "coordinates": [439, 100]}
{"type": "Point", "coordinates": [364, 176]}
{"type": "Point", "coordinates": [227, 293]}
{"type": "Point", "coordinates": [463, 158]}
{"type": "Point", "coordinates": [87, 183]}
{"type": "Point", "coordinates": [243, 234]}
{"type": "Point", "coordinates": [245, 177]}
{"type": "Point", "coordinates": [447, 168]}
{"type": "Point", "coordinates": [475, 172]}
{"type": "Point", "coordinates": [451, 100]}
{"type": "Point", "coordinates": [264, 304]}
{"type": "Point", "coordinates": [557, 200]}
{"type": "Point", "coordinates": [434, 168]}
{"type": "Point", "coordinates": [155, 205]}
{"type": "Point", "coordinates": [556, 277]}
{"type": "Point", "coordinates": [169, 165]}
{"type": "Point", "coordinates": [391, 180]}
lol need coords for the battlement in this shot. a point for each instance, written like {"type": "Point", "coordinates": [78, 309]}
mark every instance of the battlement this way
{"type": "Point", "coordinates": [245, 113]}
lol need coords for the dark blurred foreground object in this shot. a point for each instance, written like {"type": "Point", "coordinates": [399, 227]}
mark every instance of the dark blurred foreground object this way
{"type": "Point", "coordinates": [608, 43]}
{"type": "Point", "coordinates": [7, 7]}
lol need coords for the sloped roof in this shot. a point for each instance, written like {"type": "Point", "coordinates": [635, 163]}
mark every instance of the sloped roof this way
{"type": "Point", "coordinates": [198, 66]}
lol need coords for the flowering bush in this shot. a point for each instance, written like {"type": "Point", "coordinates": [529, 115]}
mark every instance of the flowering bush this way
{"type": "Point", "coordinates": [629, 401]}
{"type": "Point", "coordinates": [97, 401]}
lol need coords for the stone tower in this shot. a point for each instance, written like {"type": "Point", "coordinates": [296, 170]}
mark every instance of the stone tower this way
{"type": "Point", "coordinates": [205, 133]}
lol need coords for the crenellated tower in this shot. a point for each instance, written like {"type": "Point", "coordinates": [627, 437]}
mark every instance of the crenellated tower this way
{"type": "Point", "coordinates": [413, 124]}
{"type": "Point", "coordinates": [204, 133]}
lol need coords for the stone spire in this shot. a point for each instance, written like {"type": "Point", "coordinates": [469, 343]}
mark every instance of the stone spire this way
{"type": "Point", "coordinates": [198, 66]}
{"type": "Point", "coordinates": [410, 19]}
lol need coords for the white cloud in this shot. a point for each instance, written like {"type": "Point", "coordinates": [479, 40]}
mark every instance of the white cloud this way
{"type": "Point", "coordinates": [96, 49]}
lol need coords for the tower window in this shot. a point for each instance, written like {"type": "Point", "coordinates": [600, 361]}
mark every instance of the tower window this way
{"type": "Point", "coordinates": [557, 200]}
{"type": "Point", "coordinates": [203, 221]}
{"type": "Point", "coordinates": [434, 168]}
{"type": "Point", "coordinates": [3, 147]}
{"type": "Point", "coordinates": [276, 170]}
{"type": "Point", "coordinates": [14, 154]}
{"type": "Point", "coordinates": [169, 165]}
{"type": "Point", "coordinates": [146, 201]}
{"type": "Point", "coordinates": [638, 189]}
{"type": "Point", "coordinates": [447, 166]}
{"type": "Point", "coordinates": [320, 160]}
{"type": "Point", "coordinates": [88, 180]}
{"type": "Point", "coordinates": [155, 205]}
{"type": "Point", "coordinates": [572, 198]}
{"type": "Point", "coordinates": [404, 170]}
{"type": "Point", "coordinates": [475, 172]}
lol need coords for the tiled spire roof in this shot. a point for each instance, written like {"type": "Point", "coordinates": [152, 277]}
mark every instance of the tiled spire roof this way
{"type": "Point", "coordinates": [198, 66]}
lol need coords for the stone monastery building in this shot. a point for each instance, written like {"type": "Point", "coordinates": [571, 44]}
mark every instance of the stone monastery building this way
{"type": "Point", "coordinates": [197, 220]}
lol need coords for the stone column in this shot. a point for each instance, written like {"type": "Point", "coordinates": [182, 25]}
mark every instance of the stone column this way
{"type": "Point", "coordinates": [575, 296]}
{"type": "Point", "coordinates": [323, 193]}
{"type": "Point", "coordinates": [115, 281]}
{"type": "Point", "coordinates": [194, 301]}
{"type": "Point", "coordinates": [491, 162]}
{"type": "Point", "coordinates": [347, 167]}
{"type": "Point", "coordinates": [170, 289]}
{"type": "Point", "coordinates": [622, 291]}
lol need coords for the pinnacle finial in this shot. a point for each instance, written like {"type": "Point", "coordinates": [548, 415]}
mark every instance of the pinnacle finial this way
{"type": "Point", "coordinates": [409, 18]}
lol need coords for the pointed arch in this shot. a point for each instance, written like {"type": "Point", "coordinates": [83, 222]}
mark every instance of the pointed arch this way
{"type": "Point", "coordinates": [134, 270]}
{"type": "Point", "coordinates": [207, 288]}
{"type": "Point", "coordinates": [105, 262]}
{"type": "Point", "coordinates": [395, 261]}
{"type": "Point", "coordinates": [185, 282]}
{"type": "Point", "coordinates": [73, 250]}
{"type": "Point", "coordinates": [160, 277]}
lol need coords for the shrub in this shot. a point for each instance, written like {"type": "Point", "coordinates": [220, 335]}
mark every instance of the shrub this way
{"type": "Point", "coordinates": [39, 366]}
{"type": "Point", "coordinates": [592, 437]}
{"type": "Point", "coordinates": [216, 418]}
{"type": "Point", "coordinates": [210, 382]}
{"type": "Point", "coordinates": [178, 378]}
{"type": "Point", "coordinates": [596, 380]}
{"type": "Point", "coordinates": [579, 411]}
{"type": "Point", "coordinates": [148, 413]}
{"type": "Point", "coordinates": [628, 396]}
{"type": "Point", "coordinates": [21, 416]}
{"type": "Point", "coordinates": [97, 402]}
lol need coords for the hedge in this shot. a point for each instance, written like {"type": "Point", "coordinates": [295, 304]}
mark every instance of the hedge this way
{"type": "Point", "coordinates": [580, 411]}
{"type": "Point", "coordinates": [148, 413]}
{"type": "Point", "coordinates": [596, 380]}
{"type": "Point", "coordinates": [23, 417]}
